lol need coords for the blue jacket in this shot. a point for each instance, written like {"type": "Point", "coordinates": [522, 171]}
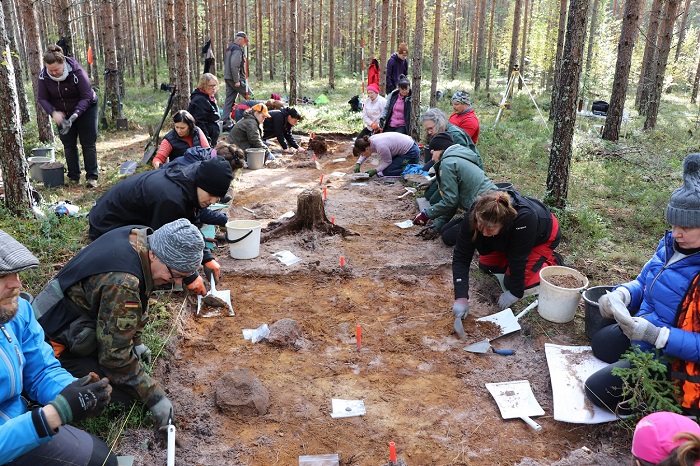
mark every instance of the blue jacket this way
{"type": "Point", "coordinates": [38, 373]}
{"type": "Point", "coordinates": [658, 292]}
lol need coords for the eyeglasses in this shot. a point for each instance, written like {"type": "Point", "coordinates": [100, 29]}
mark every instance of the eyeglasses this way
{"type": "Point", "coordinates": [213, 86]}
{"type": "Point", "coordinates": [175, 277]}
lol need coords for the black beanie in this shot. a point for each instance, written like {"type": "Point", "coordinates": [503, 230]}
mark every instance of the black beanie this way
{"type": "Point", "coordinates": [441, 141]}
{"type": "Point", "coordinates": [214, 176]}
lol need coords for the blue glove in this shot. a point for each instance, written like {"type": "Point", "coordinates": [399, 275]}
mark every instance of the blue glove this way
{"type": "Point", "coordinates": [506, 300]}
{"type": "Point", "coordinates": [421, 219]}
{"type": "Point", "coordinates": [460, 308]}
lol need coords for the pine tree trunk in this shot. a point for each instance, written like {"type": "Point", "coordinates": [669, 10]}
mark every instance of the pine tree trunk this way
{"type": "Point", "coordinates": [664, 43]}
{"type": "Point", "coordinates": [523, 46]}
{"type": "Point", "coordinates": [480, 45]}
{"type": "Point", "coordinates": [682, 29]}
{"type": "Point", "coordinates": [12, 164]}
{"type": "Point", "coordinates": [416, 67]}
{"type": "Point", "coordinates": [558, 58]}
{"type": "Point", "coordinates": [371, 40]}
{"type": "Point", "coordinates": [9, 11]}
{"type": "Point", "coordinates": [456, 21]}
{"type": "Point", "coordinates": [436, 54]}
{"type": "Point", "coordinates": [63, 23]}
{"type": "Point", "coordinates": [512, 61]}
{"type": "Point", "coordinates": [121, 59]}
{"type": "Point", "coordinates": [696, 80]}
{"type": "Point", "coordinates": [293, 42]}
{"type": "Point", "coordinates": [310, 215]}
{"type": "Point", "coordinates": [565, 117]}
{"type": "Point", "coordinates": [383, 42]}
{"type": "Point", "coordinates": [490, 51]}
{"type": "Point", "coordinates": [589, 53]}
{"type": "Point", "coordinates": [170, 45]}
{"type": "Point", "coordinates": [258, 40]}
{"type": "Point", "coordinates": [628, 36]}
{"type": "Point", "coordinates": [35, 58]}
{"type": "Point", "coordinates": [272, 43]}
{"type": "Point", "coordinates": [331, 45]}
{"type": "Point", "coordinates": [646, 74]}
{"type": "Point", "coordinates": [320, 38]}
{"type": "Point", "coordinates": [182, 57]}
{"type": "Point", "coordinates": [110, 54]}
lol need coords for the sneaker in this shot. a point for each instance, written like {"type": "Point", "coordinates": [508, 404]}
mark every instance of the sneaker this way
{"type": "Point", "coordinates": [91, 183]}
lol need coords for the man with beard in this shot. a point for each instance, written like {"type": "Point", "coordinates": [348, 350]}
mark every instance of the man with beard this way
{"type": "Point", "coordinates": [32, 437]}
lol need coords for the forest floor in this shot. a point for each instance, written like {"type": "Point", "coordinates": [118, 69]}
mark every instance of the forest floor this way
{"type": "Point", "coordinates": [420, 388]}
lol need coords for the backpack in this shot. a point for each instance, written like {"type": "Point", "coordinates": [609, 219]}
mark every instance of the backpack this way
{"type": "Point", "coordinates": [355, 104]}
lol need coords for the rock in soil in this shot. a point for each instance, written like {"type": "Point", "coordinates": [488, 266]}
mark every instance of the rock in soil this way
{"type": "Point", "coordinates": [241, 392]}
{"type": "Point", "coordinates": [284, 332]}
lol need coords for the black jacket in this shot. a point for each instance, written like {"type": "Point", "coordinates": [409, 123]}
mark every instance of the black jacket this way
{"type": "Point", "coordinates": [152, 198]}
{"type": "Point", "coordinates": [206, 114]}
{"type": "Point", "coordinates": [278, 126]}
{"type": "Point", "coordinates": [390, 101]}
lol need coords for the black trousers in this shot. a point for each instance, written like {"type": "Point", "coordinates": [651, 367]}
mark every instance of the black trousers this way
{"type": "Point", "coordinates": [69, 447]}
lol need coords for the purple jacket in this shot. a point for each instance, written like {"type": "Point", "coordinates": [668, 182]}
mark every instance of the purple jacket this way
{"type": "Point", "coordinates": [395, 67]}
{"type": "Point", "coordinates": [74, 95]}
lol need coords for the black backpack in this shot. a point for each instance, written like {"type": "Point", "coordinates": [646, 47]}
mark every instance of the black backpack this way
{"type": "Point", "coordinates": [355, 104]}
{"type": "Point", "coordinates": [600, 107]}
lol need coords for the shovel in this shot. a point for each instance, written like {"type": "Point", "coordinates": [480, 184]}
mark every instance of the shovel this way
{"type": "Point", "coordinates": [516, 400]}
{"type": "Point", "coordinates": [218, 299]}
{"type": "Point", "coordinates": [484, 345]}
{"type": "Point", "coordinates": [506, 320]}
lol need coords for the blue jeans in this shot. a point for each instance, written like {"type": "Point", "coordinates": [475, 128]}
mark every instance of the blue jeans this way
{"type": "Point", "coordinates": [398, 163]}
{"type": "Point", "coordinates": [85, 128]}
{"type": "Point", "coordinates": [69, 447]}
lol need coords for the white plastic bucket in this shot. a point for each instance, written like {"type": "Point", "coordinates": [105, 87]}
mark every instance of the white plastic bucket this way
{"type": "Point", "coordinates": [35, 167]}
{"type": "Point", "coordinates": [243, 238]}
{"type": "Point", "coordinates": [255, 158]}
{"type": "Point", "coordinates": [557, 304]}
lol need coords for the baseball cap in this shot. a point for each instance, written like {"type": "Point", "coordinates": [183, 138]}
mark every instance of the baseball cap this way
{"type": "Point", "coordinates": [654, 435]}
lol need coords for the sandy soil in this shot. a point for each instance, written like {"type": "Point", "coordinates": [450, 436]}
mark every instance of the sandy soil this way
{"type": "Point", "coordinates": [420, 388]}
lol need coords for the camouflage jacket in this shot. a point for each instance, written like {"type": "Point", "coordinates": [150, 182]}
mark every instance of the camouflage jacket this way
{"type": "Point", "coordinates": [121, 317]}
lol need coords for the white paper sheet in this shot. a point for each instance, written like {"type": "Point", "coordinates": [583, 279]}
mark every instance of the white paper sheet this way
{"type": "Point", "coordinates": [347, 408]}
{"type": "Point", "coordinates": [404, 224]}
{"type": "Point", "coordinates": [569, 367]}
{"type": "Point", "coordinates": [286, 257]}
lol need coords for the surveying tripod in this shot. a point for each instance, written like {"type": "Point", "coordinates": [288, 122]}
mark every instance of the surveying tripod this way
{"type": "Point", "coordinates": [514, 76]}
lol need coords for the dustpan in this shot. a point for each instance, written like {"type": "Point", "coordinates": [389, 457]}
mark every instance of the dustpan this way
{"type": "Point", "coordinates": [224, 295]}
{"type": "Point", "coordinates": [516, 400]}
{"type": "Point", "coordinates": [506, 320]}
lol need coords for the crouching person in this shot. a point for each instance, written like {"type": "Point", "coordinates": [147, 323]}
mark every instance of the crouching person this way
{"type": "Point", "coordinates": [95, 308]}
{"type": "Point", "coordinates": [40, 436]}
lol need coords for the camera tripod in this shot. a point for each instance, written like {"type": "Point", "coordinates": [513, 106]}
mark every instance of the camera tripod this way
{"type": "Point", "coordinates": [514, 76]}
{"type": "Point", "coordinates": [150, 150]}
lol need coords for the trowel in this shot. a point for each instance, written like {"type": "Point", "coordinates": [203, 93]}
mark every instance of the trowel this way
{"type": "Point", "coordinates": [484, 345]}
{"type": "Point", "coordinates": [216, 299]}
{"type": "Point", "coordinates": [506, 320]}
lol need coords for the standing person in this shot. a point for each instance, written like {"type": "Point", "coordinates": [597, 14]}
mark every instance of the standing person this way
{"type": "Point", "coordinates": [396, 66]}
{"type": "Point", "coordinates": [664, 302]}
{"type": "Point", "coordinates": [94, 310]}
{"type": "Point", "coordinates": [460, 179]}
{"type": "Point", "coordinates": [157, 197]}
{"type": "Point", "coordinates": [668, 439]}
{"type": "Point", "coordinates": [395, 151]}
{"type": "Point", "coordinates": [30, 371]}
{"type": "Point", "coordinates": [397, 113]}
{"type": "Point", "coordinates": [234, 75]}
{"type": "Point", "coordinates": [247, 133]}
{"type": "Point", "coordinates": [203, 107]}
{"type": "Point", "coordinates": [280, 125]}
{"type": "Point", "coordinates": [208, 53]}
{"type": "Point", "coordinates": [464, 116]}
{"type": "Point", "coordinates": [185, 134]}
{"type": "Point", "coordinates": [372, 110]}
{"type": "Point", "coordinates": [514, 235]}
{"type": "Point", "coordinates": [65, 93]}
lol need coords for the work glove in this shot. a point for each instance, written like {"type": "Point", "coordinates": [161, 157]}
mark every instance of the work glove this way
{"type": "Point", "coordinates": [143, 353]}
{"type": "Point", "coordinates": [357, 168]}
{"type": "Point", "coordinates": [83, 398]}
{"type": "Point", "coordinates": [197, 286]}
{"type": "Point", "coordinates": [163, 412]}
{"type": "Point", "coordinates": [609, 301]}
{"type": "Point", "coordinates": [371, 172]}
{"type": "Point", "coordinates": [212, 267]}
{"type": "Point", "coordinates": [67, 123]}
{"type": "Point", "coordinates": [506, 300]}
{"type": "Point", "coordinates": [421, 219]}
{"type": "Point", "coordinates": [460, 308]}
{"type": "Point", "coordinates": [640, 329]}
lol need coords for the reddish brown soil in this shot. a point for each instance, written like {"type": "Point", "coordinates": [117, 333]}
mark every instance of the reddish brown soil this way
{"type": "Point", "coordinates": [420, 388]}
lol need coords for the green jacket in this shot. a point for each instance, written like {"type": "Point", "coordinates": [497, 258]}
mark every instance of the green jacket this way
{"type": "Point", "coordinates": [460, 180]}
{"type": "Point", "coordinates": [246, 133]}
{"type": "Point", "coordinates": [463, 139]}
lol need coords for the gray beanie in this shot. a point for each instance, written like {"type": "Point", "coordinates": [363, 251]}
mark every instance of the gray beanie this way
{"type": "Point", "coordinates": [684, 208]}
{"type": "Point", "coordinates": [178, 245]}
{"type": "Point", "coordinates": [462, 97]}
{"type": "Point", "coordinates": [14, 257]}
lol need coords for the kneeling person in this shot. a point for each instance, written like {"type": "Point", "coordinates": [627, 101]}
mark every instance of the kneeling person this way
{"type": "Point", "coordinates": [95, 308]}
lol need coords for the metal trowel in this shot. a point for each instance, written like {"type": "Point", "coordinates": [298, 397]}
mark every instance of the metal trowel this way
{"type": "Point", "coordinates": [216, 299]}
{"type": "Point", "coordinates": [459, 328]}
{"type": "Point", "coordinates": [484, 345]}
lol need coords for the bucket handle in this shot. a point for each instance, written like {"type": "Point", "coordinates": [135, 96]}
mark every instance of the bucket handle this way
{"type": "Point", "coordinates": [238, 239]}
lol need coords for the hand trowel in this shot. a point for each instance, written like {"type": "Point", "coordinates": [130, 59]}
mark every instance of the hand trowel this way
{"type": "Point", "coordinates": [484, 345]}
{"type": "Point", "coordinates": [216, 299]}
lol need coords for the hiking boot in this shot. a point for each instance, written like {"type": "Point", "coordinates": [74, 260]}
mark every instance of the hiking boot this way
{"type": "Point", "coordinates": [72, 182]}
{"type": "Point", "coordinates": [91, 183]}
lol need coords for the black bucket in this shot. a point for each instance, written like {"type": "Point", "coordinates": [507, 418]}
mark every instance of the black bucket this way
{"type": "Point", "coordinates": [52, 174]}
{"type": "Point", "coordinates": [594, 321]}
{"type": "Point", "coordinates": [504, 185]}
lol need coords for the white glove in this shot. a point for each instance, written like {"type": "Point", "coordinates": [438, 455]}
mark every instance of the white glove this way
{"type": "Point", "coordinates": [610, 300]}
{"type": "Point", "coordinates": [143, 353]}
{"type": "Point", "coordinates": [640, 329]}
{"type": "Point", "coordinates": [506, 300]}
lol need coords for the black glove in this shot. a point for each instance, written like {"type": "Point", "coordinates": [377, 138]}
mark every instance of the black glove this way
{"type": "Point", "coordinates": [82, 399]}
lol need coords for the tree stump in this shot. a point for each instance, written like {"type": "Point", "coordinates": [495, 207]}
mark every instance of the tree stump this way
{"type": "Point", "coordinates": [310, 215]}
